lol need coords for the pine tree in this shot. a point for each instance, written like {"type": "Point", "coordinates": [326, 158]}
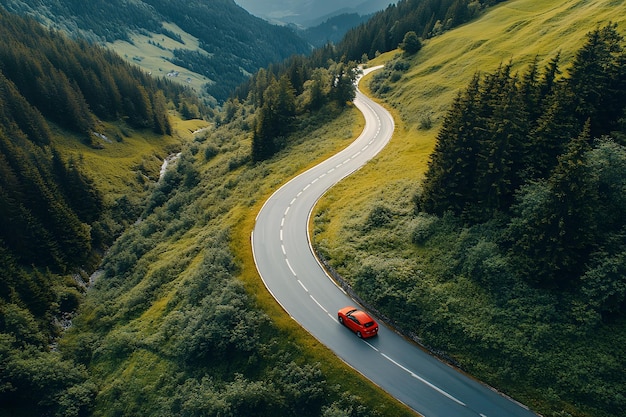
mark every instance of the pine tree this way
{"type": "Point", "coordinates": [598, 80]}
{"type": "Point", "coordinates": [263, 136]}
{"type": "Point", "coordinates": [554, 227]}
{"type": "Point", "coordinates": [574, 218]}
{"type": "Point", "coordinates": [502, 145]}
{"type": "Point", "coordinates": [554, 129]}
{"type": "Point", "coordinates": [453, 161]}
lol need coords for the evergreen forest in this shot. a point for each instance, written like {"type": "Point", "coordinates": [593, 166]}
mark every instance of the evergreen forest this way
{"type": "Point", "coordinates": [55, 221]}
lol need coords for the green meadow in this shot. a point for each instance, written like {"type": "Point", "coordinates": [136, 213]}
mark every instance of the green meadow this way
{"type": "Point", "coordinates": [153, 52]}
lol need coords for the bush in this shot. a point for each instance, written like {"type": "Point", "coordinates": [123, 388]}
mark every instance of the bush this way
{"type": "Point", "coordinates": [69, 299]}
{"type": "Point", "coordinates": [424, 228]}
{"type": "Point", "coordinates": [411, 44]}
{"type": "Point", "coordinates": [379, 216]}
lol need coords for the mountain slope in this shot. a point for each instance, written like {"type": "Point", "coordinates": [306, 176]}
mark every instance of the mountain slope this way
{"type": "Point", "coordinates": [555, 348]}
{"type": "Point", "coordinates": [167, 327]}
{"type": "Point", "coordinates": [64, 104]}
{"type": "Point", "coordinates": [333, 29]}
{"type": "Point", "coordinates": [216, 44]}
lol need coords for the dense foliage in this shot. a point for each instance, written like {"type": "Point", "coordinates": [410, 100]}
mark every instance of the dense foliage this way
{"type": "Point", "coordinates": [299, 90]}
{"type": "Point", "coordinates": [525, 144]}
{"type": "Point", "coordinates": [73, 83]}
{"type": "Point", "coordinates": [233, 43]}
{"type": "Point", "coordinates": [53, 219]}
{"type": "Point", "coordinates": [212, 352]}
{"type": "Point", "coordinates": [427, 18]}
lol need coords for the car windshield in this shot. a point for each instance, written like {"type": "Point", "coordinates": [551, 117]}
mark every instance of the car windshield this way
{"type": "Point", "coordinates": [369, 324]}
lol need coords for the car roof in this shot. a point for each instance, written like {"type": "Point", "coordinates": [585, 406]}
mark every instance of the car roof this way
{"type": "Point", "coordinates": [362, 316]}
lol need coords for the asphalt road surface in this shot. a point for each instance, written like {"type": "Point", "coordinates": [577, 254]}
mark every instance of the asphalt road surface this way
{"type": "Point", "coordinates": [293, 275]}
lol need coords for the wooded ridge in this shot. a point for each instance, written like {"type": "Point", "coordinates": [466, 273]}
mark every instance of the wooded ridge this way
{"type": "Point", "coordinates": [234, 44]}
{"type": "Point", "coordinates": [54, 220]}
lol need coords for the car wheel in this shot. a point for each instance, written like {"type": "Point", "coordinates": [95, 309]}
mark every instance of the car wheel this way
{"type": "Point", "coordinates": [359, 335]}
{"type": "Point", "coordinates": [340, 319]}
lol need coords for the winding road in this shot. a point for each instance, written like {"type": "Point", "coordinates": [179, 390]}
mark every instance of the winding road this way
{"type": "Point", "coordinates": [293, 275]}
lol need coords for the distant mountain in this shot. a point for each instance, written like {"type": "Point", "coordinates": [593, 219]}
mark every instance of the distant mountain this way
{"type": "Point", "coordinates": [214, 43]}
{"type": "Point", "coordinates": [333, 29]}
{"type": "Point", "coordinates": [310, 13]}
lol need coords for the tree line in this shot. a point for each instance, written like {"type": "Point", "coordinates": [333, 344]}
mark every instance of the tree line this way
{"type": "Point", "coordinates": [73, 83]}
{"type": "Point", "coordinates": [385, 30]}
{"type": "Point", "coordinates": [280, 95]}
{"type": "Point", "coordinates": [544, 151]}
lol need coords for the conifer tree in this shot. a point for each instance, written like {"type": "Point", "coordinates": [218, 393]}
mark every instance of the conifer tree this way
{"type": "Point", "coordinates": [554, 226]}
{"type": "Point", "coordinates": [453, 161]}
{"type": "Point", "coordinates": [554, 129]}
{"type": "Point", "coordinates": [274, 119]}
{"type": "Point", "coordinates": [501, 148]}
{"type": "Point", "coordinates": [263, 135]}
{"type": "Point", "coordinates": [598, 80]}
{"type": "Point", "coordinates": [573, 215]}
{"type": "Point", "coordinates": [411, 43]}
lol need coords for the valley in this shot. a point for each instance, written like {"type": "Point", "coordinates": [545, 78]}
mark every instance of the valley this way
{"type": "Point", "coordinates": [462, 254]}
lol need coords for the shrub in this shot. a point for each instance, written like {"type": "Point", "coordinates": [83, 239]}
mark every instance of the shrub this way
{"type": "Point", "coordinates": [424, 228]}
{"type": "Point", "coordinates": [379, 216]}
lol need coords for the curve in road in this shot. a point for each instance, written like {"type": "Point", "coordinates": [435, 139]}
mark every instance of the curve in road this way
{"type": "Point", "coordinates": [293, 275]}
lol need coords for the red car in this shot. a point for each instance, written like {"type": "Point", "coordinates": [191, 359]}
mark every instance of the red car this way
{"type": "Point", "coordinates": [358, 321]}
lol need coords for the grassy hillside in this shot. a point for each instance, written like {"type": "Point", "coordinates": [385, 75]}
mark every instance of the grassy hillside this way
{"type": "Point", "coordinates": [154, 53]}
{"type": "Point", "coordinates": [419, 90]}
{"type": "Point", "coordinates": [516, 31]}
{"type": "Point", "coordinates": [131, 165]}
